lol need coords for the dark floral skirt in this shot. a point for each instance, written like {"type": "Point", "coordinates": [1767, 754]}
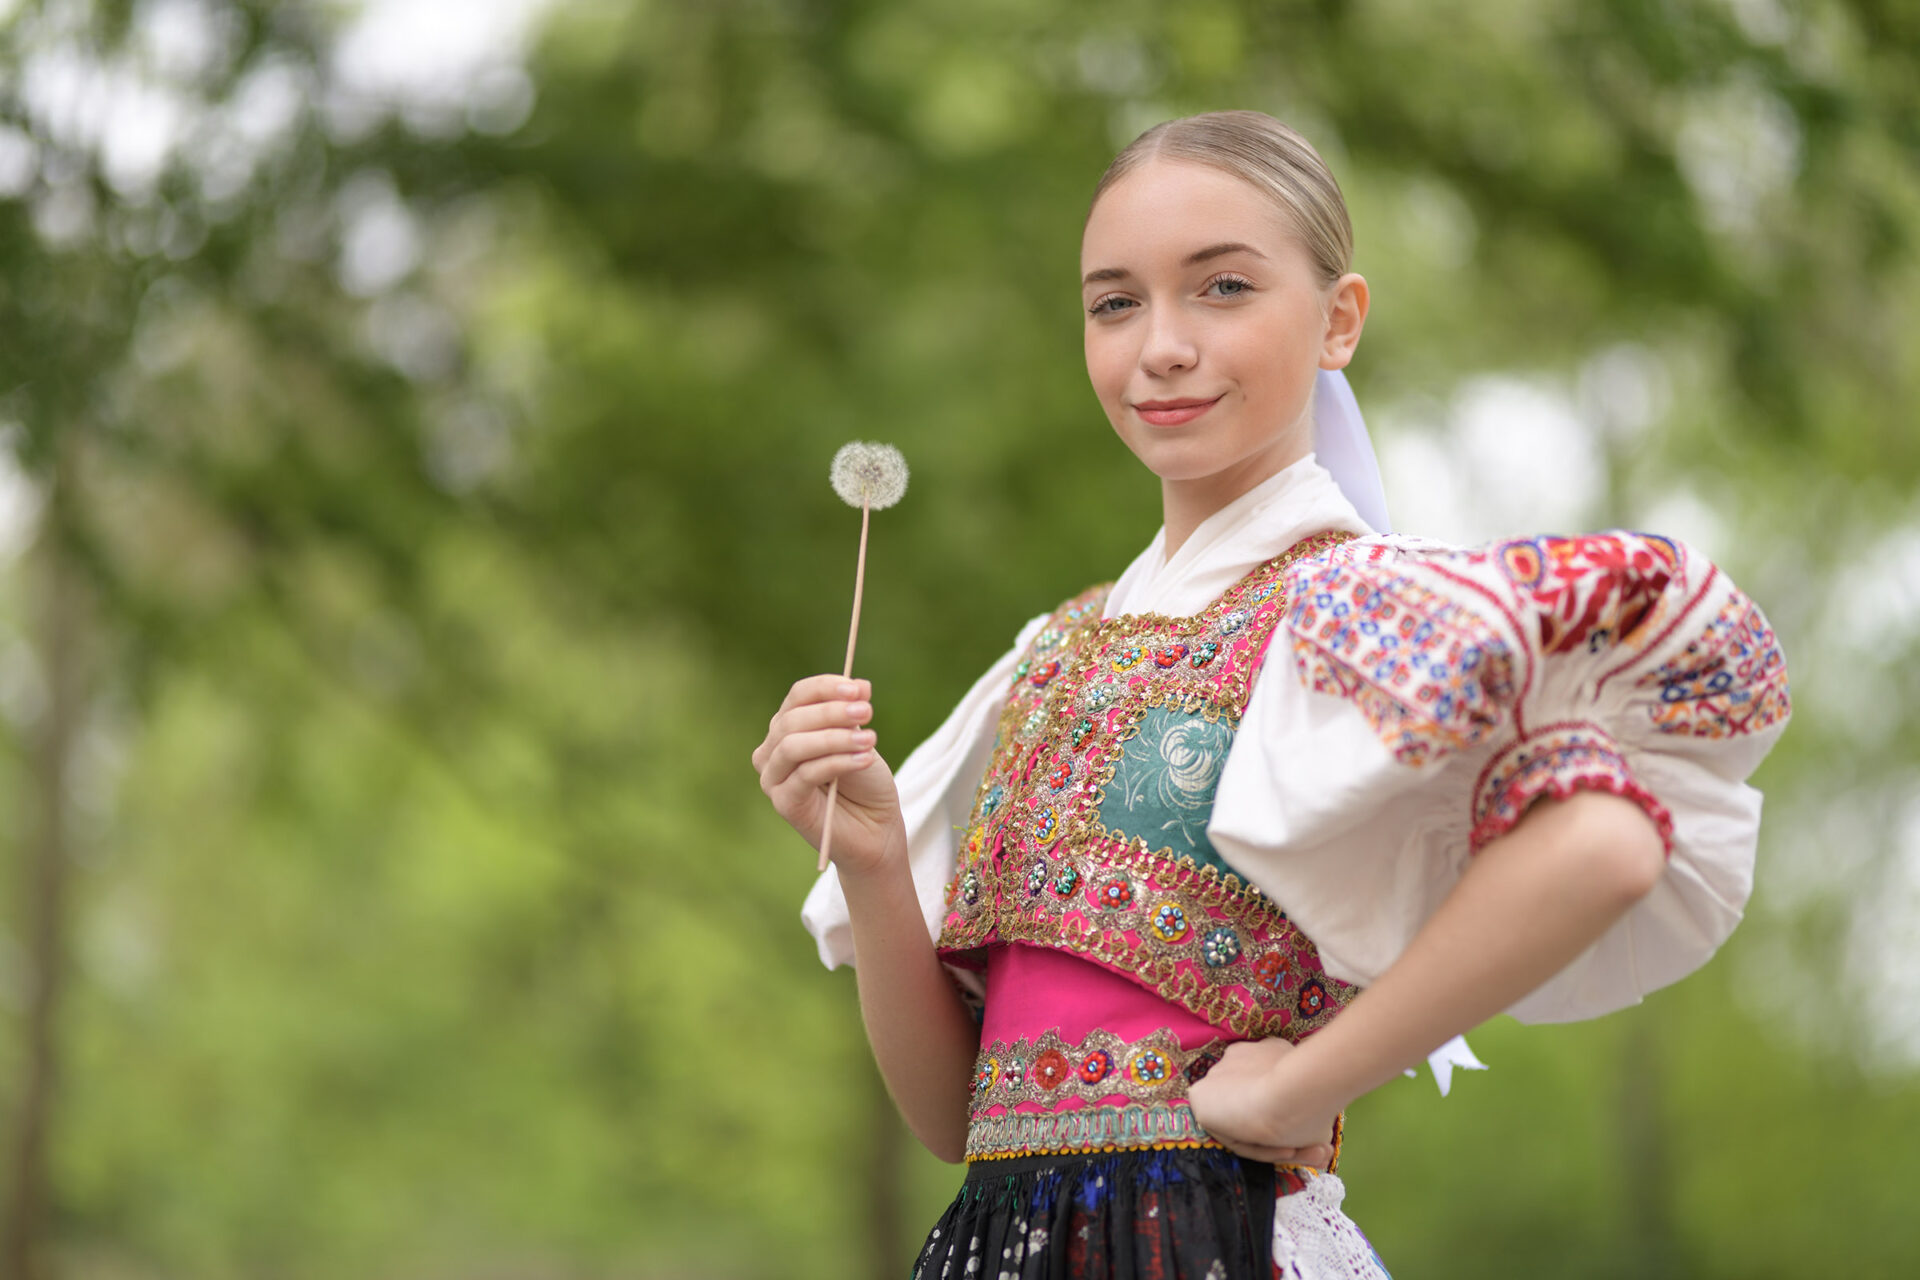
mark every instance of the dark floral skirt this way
{"type": "Point", "coordinates": [1191, 1214]}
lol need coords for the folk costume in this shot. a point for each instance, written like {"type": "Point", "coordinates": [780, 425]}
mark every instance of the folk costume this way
{"type": "Point", "coordinates": [1216, 799]}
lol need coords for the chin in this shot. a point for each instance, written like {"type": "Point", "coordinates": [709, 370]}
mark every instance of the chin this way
{"type": "Point", "coordinates": [1180, 460]}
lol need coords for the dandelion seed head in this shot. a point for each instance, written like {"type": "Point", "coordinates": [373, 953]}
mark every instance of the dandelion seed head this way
{"type": "Point", "coordinates": [869, 475]}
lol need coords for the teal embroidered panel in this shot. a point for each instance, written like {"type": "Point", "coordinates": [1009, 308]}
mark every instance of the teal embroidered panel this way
{"type": "Point", "coordinates": [1163, 784]}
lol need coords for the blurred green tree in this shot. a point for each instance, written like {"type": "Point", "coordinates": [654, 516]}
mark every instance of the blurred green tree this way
{"type": "Point", "coordinates": [428, 505]}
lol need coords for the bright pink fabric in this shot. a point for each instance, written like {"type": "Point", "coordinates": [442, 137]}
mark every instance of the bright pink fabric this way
{"type": "Point", "coordinates": [1032, 990]}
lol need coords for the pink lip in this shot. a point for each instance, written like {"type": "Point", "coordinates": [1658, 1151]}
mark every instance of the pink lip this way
{"type": "Point", "coordinates": [1172, 413]}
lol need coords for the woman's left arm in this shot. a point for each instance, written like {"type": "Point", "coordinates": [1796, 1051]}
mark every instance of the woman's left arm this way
{"type": "Point", "coordinates": [1527, 905]}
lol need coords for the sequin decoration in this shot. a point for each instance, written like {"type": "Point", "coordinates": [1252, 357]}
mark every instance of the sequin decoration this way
{"type": "Point", "coordinates": [1095, 1066]}
{"type": "Point", "coordinates": [1149, 1068]}
{"type": "Point", "coordinates": [1051, 1069]}
{"type": "Point", "coordinates": [1098, 1068]}
{"type": "Point", "coordinates": [1222, 947]}
{"type": "Point", "coordinates": [1088, 835]}
{"type": "Point", "coordinates": [1170, 923]}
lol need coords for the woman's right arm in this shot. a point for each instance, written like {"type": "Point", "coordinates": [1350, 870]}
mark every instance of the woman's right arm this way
{"type": "Point", "coordinates": [922, 1036]}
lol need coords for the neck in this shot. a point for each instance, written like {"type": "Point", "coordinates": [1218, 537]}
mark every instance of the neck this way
{"type": "Point", "coordinates": [1186, 504]}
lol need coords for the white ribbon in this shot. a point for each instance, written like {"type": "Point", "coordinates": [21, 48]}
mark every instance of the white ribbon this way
{"type": "Point", "coordinates": [1442, 1061]}
{"type": "Point", "coordinates": [1342, 445]}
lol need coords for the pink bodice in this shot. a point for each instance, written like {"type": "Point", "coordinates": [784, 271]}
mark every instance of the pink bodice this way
{"type": "Point", "coordinates": [1075, 1057]}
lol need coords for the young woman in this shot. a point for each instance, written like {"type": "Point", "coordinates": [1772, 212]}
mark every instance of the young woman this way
{"type": "Point", "coordinates": [1218, 848]}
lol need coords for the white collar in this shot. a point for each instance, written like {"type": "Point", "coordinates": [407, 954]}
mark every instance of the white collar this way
{"type": "Point", "coordinates": [1291, 504]}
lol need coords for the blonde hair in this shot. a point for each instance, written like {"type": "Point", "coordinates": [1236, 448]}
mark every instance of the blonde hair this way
{"type": "Point", "coordinates": [1258, 149]}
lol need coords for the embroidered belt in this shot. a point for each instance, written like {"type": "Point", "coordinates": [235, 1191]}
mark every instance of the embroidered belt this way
{"type": "Point", "coordinates": [1132, 1126]}
{"type": "Point", "coordinates": [1130, 1094]}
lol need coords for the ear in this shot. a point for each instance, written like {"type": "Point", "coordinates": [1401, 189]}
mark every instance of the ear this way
{"type": "Point", "coordinates": [1346, 316]}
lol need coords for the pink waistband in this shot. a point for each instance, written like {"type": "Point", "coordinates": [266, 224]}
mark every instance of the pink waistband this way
{"type": "Point", "coordinates": [1034, 990]}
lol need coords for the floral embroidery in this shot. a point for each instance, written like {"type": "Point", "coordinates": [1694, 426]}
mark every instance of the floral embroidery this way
{"type": "Point", "coordinates": [1592, 591]}
{"type": "Point", "coordinates": [1051, 1069]}
{"type": "Point", "coordinates": [1169, 923]}
{"type": "Point", "coordinates": [1096, 1066]}
{"type": "Point", "coordinates": [1272, 972]}
{"type": "Point", "coordinates": [1222, 947]}
{"type": "Point", "coordinates": [1102, 780]}
{"type": "Point", "coordinates": [1148, 1068]}
{"type": "Point", "coordinates": [1429, 675]}
{"type": "Point", "coordinates": [1731, 679]}
{"type": "Point", "coordinates": [1556, 761]}
{"type": "Point", "coordinates": [986, 1074]}
{"type": "Point", "coordinates": [1101, 1067]}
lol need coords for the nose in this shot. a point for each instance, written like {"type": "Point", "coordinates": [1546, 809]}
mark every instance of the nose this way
{"type": "Point", "coordinates": [1169, 346]}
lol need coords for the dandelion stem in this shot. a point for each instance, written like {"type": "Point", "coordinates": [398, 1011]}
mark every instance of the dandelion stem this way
{"type": "Point", "coordinates": [853, 636]}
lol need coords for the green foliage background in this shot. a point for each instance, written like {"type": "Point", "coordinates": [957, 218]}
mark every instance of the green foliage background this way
{"type": "Point", "coordinates": [425, 919]}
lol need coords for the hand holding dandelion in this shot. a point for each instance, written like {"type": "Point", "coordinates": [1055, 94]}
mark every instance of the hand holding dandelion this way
{"type": "Point", "coordinates": [871, 477]}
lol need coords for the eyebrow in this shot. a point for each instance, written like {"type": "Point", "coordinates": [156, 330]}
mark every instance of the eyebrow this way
{"type": "Point", "coordinates": [1193, 259]}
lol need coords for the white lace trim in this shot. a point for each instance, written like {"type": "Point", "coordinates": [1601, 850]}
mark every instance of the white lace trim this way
{"type": "Point", "coordinates": [1314, 1240]}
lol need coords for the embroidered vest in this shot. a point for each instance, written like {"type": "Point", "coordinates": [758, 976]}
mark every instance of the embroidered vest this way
{"type": "Point", "coordinates": [1088, 834]}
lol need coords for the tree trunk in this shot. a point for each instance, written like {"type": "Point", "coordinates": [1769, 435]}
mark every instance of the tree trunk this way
{"type": "Point", "coordinates": [26, 1227]}
{"type": "Point", "coordinates": [1651, 1246]}
{"type": "Point", "coordinates": [889, 1257]}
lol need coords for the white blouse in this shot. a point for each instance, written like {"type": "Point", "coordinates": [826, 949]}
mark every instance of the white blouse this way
{"type": "Point", "coordinates": [1415, 700]}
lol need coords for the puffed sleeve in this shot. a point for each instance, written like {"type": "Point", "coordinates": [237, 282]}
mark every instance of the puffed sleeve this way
{"type": "Point", "coordinates": [1418, 698]}
{"type": "Point", "coordinates": [936, 785]}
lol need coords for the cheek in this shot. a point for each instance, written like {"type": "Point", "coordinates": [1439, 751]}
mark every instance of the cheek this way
{"type": "Point", "coordinates": [1275, 359]}
{"type": "Point", "coordinates": [1108, 364]}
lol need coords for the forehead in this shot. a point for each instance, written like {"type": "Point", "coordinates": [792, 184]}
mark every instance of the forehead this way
{"type": "Point", "coordinates": [1165, 209]}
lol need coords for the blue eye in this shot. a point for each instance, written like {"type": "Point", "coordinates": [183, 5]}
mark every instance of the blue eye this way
{"type": "Point", "coordinates": [1230, 286]}
{"type": "Point", "coordinates": [1109, 305]}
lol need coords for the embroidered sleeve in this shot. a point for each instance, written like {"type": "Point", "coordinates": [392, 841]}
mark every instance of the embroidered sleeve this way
{"type": "Point", "coordinates": [1516, 644]}
{"type": "Point", "coordinates": [1556, 761]}
{"type": "Point", "coordinates": [1421, 698]}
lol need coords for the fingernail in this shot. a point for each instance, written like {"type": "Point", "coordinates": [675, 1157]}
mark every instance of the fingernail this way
{"type": "Point", "coordinates": [859, 709]}
{"type": "Point", "coordinates": [865, 737]}
{"type": "Point", "coordinates": [849, 689]}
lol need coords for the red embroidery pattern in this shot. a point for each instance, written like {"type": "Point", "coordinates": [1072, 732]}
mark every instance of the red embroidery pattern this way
{"type": "Point", "coordinates": [1428, 675]}
{"type": "Point", "coordinates": [1730, 680]}
{"type": "Point", "coordinates": [1593, 591]}
{"type": "Point", "coordinates": [1037, 866]}
{"type": "Point", "coordinates": [1556, 761]}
